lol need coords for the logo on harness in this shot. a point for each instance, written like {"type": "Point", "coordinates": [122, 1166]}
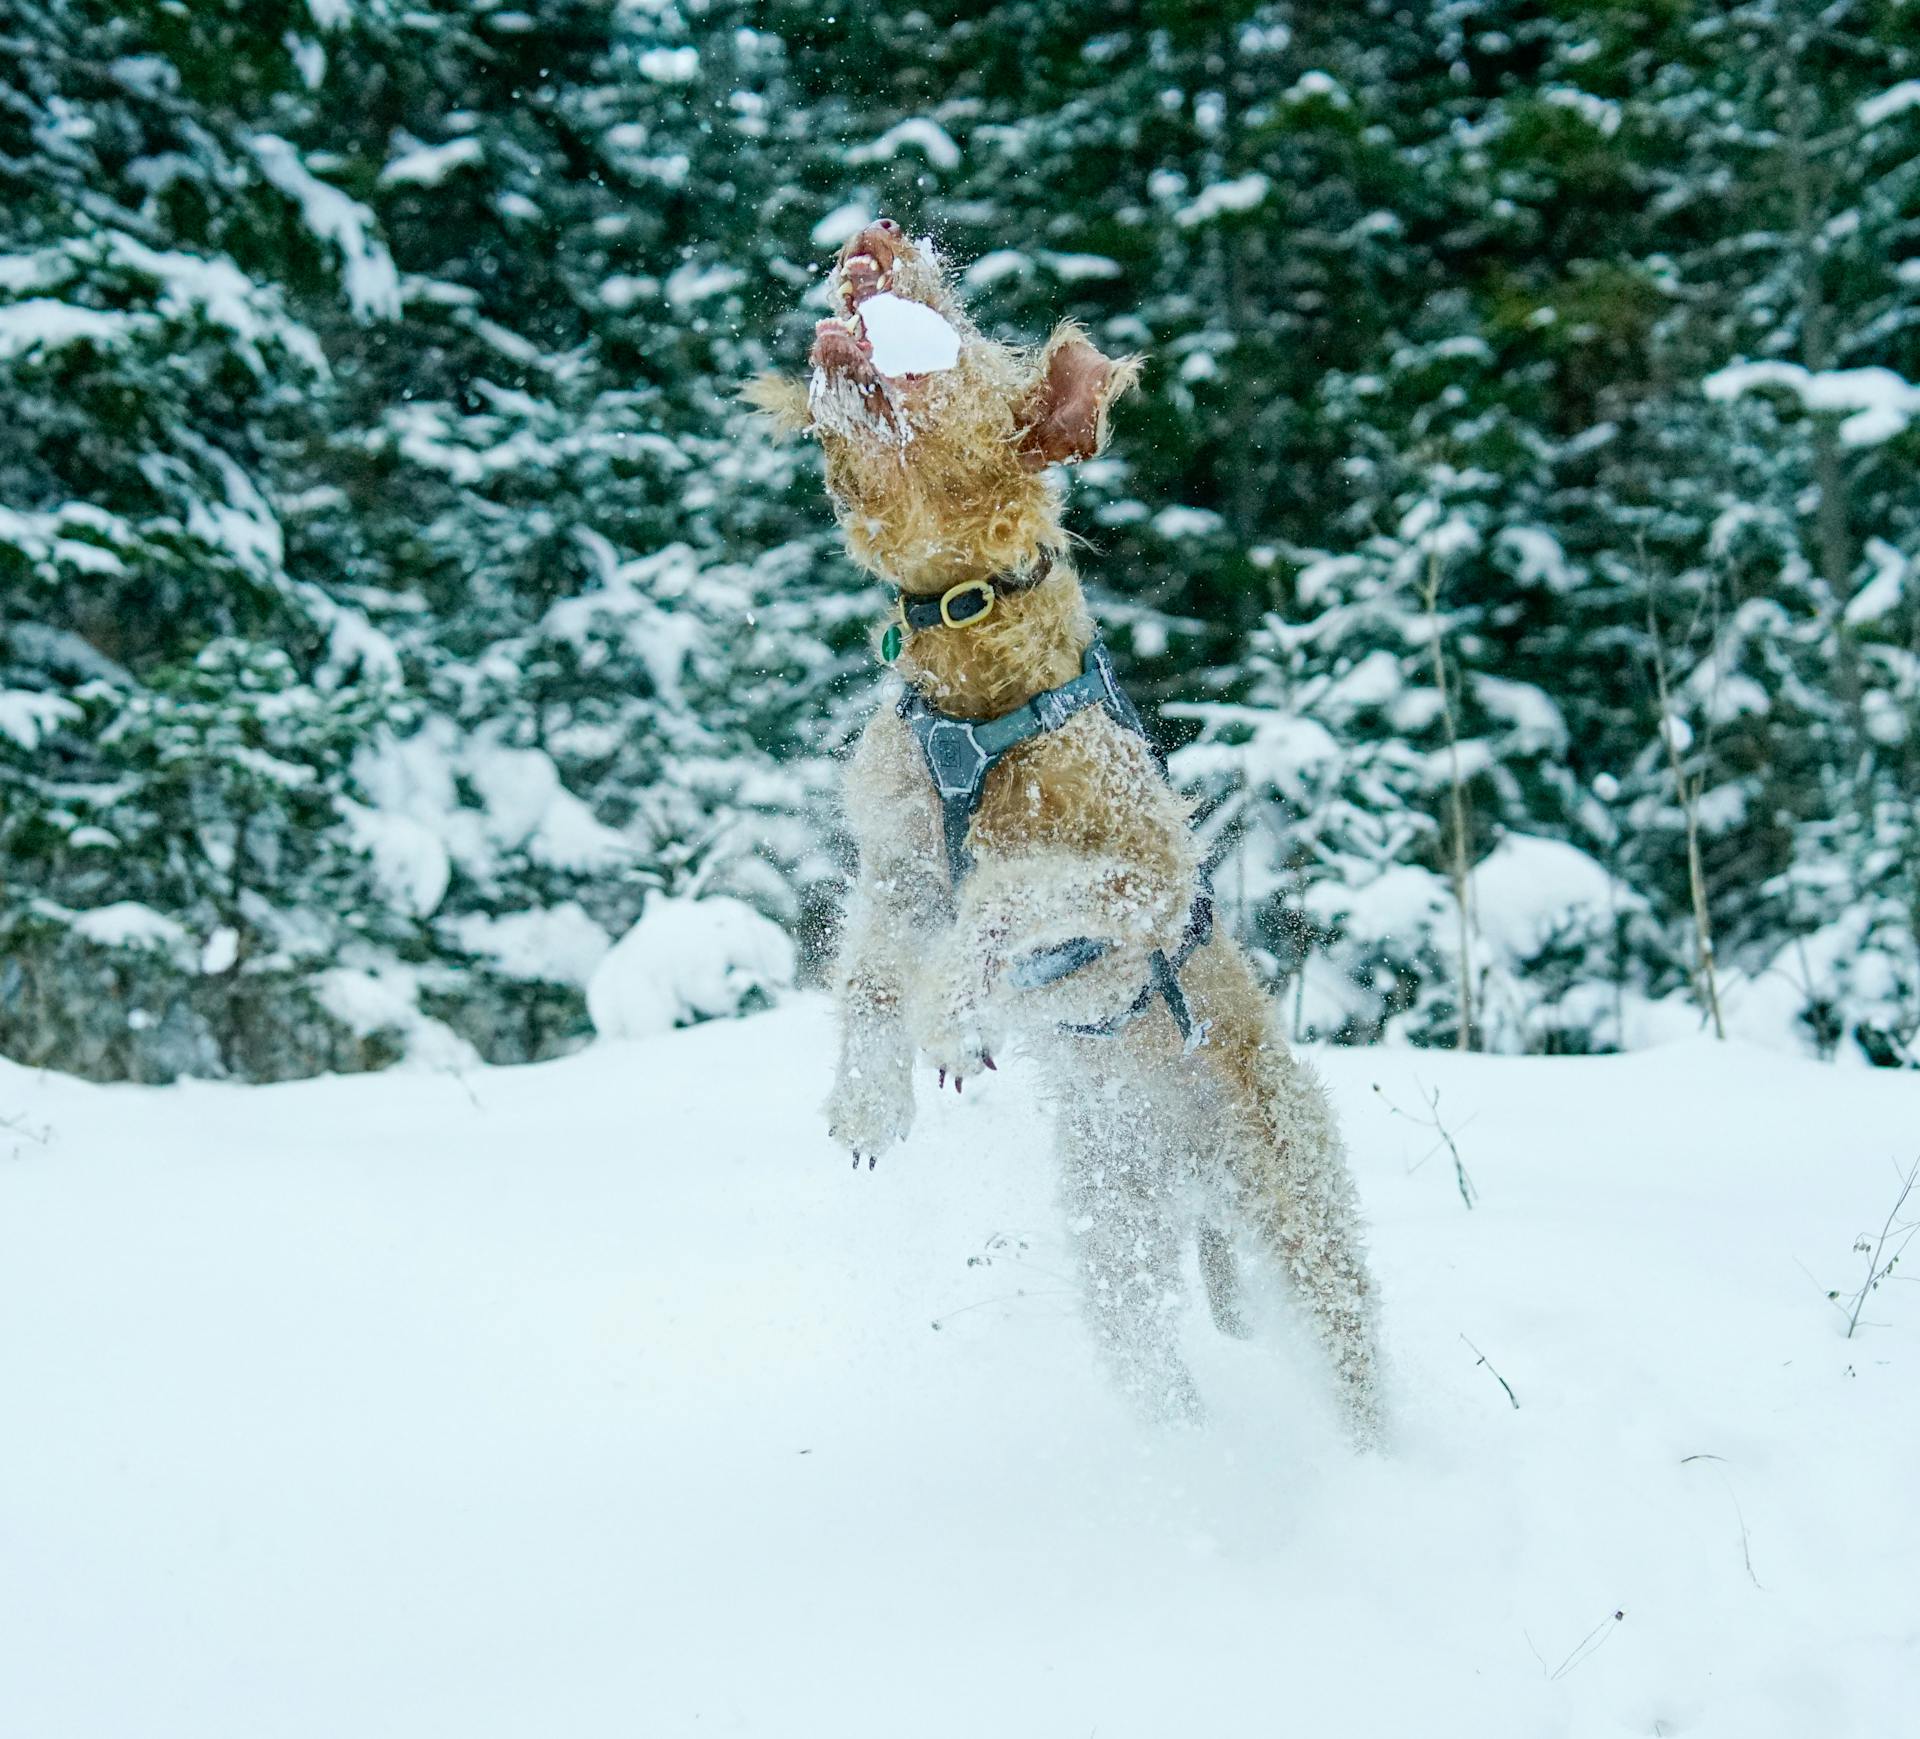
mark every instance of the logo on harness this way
{"type": "Point", "coordinates": [954, 757]}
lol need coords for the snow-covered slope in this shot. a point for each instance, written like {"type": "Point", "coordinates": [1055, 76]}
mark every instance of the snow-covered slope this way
{"type": "Point", "coordinates": [603, 1398]}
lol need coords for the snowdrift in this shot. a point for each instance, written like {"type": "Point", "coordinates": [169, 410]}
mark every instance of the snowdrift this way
{"type": "Point", "coordinates": [602, 1398]}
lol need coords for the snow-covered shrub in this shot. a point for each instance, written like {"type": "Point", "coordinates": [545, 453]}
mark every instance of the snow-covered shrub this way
{"type": "Point", "coordinates": [688, 960]}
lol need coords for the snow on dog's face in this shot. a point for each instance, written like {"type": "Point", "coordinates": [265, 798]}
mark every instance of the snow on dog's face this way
{"type": "Point", "coordinates": [936, 437]}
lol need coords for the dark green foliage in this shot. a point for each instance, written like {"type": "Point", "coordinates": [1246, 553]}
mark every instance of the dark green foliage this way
{"type": "Point", "coordinates": [383, 556]}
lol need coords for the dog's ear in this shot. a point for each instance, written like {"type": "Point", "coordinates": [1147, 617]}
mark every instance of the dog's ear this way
{"type": "Point", "coordinates": [1063, 418]}
{"type": "Point", "coordinates": [781, 400]}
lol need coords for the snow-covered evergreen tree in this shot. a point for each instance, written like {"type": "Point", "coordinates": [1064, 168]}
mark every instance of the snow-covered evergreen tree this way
{"type": "Point", "coordinates": [393, 598]}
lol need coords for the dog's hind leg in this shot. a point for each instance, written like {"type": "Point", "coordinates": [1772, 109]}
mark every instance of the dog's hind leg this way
{"type": "Point", "coordinates": [1125, 1218]}
{"type": "Point", "coordinates": [1287, 1172]}
{"type": "Point", "coordinates": [1220, 1271]}
{"type": "Point", "coordinates": [1298, 1197]}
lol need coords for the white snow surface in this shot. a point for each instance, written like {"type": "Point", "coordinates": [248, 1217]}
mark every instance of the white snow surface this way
{"type": "Point", "coordinates": [1896, 100]}
{"type": "Point", "coordinates": [367, 269]}
{"type": "Point", "coordinates": [840, 223]}
{"type": "Point", "coordinates": [924, 135]}
{"type": "Point", "coordinates": [1882, 402]}
{"type": "Point", "coordinates": [429, 165]}
{"type": "Point", "coordinates": [46, 323]}
{"type": "Point", "coordinates": [600, 1397]}
{"type": "Point", "coordinates": [26, 715]}
{"type": "Point", "coordinates": [129, 924]}
{"type": "Point", "coordinates": [908, 337]}
{"type": "Point", "coordinates": [1882, 594]}
{"type": "Point", "coordinates": [687, 960]}
{"type": "Point", "coordinates": [1528, 890]}
{"type": "Point", "coordinates": [558, 943]}
{"type": "Point", "coordinates": [1240, 194]}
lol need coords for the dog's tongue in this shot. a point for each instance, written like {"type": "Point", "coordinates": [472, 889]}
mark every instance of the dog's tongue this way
{"type": "Point", "coordinates": [908, 337]}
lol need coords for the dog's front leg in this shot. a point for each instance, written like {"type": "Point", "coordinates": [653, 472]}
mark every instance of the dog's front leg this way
{"type": "Point", "coordinates": [899, 899]}
{"type": "Point", "coordinates": [956, 1025]}
{"type": "Point", "coordinates": [871, 1105]}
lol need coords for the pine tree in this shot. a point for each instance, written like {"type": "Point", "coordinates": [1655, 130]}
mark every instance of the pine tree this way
{"type": "Point", "coordinates": [176, 726]}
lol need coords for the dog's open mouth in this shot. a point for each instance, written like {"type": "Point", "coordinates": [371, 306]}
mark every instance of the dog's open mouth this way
{"type": "Point", "coordinates": [882, 335]}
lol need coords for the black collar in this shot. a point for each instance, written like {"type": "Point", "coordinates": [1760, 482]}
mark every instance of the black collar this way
{"type": "Point", "coordinates": [971, 601]}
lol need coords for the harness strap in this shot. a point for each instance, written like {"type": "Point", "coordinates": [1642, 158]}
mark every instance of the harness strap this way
{"type": "Point", "coordinates": [961, 752]}
{"type": "Point", "coordinates": [1164, 980]}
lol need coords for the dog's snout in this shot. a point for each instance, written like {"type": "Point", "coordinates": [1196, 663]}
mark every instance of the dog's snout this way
{"type": "Point", "coordinates": [867, 260]}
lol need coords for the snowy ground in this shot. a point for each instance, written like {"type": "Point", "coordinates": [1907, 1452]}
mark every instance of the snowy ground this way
{"type": "Point", "coordinates": [602, 1398]}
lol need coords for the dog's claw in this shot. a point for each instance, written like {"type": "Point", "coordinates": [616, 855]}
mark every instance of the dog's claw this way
{"type": "Point", "coordinates": [943, 1077]}
{"type": "Point", "coordinates": [991, 1064]}
{"type": "Point", "coordinates": [873, 1159]}
{"type": "Point", "coordinates": [856, 1159]}
{"type": "Point", "coordinates": [959, 1082]}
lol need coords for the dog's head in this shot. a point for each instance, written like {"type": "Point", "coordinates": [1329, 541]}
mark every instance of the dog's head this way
{"type": "Point", "coordinates": [938, 438]}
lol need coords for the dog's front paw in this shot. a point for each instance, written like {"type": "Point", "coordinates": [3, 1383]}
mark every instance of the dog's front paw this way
{"type": "Point", "coordinates": [871, 1107]}
{"type": "Point", "coordinates": [958, 1044]}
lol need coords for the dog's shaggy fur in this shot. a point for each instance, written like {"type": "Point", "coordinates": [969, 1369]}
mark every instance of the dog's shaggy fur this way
{"type": "Point", "coordinates": [941, 478]}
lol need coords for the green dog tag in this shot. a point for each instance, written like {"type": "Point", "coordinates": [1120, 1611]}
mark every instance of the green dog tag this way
{"type": "Point", "coordinates": [890, 643]}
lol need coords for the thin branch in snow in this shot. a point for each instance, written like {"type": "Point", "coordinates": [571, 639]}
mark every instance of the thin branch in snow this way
{"type": "Point", "coordinates": [1012, 1248]}
{"type": "Point", "coordinates": [1881, 1262]}
{"type": "Point", "coordinates": [1584, 1649]}
{"type": "Point", "coordinates": [940, 1322]}
{"type": "Point", "coordinates": [1459, 870]}
{"type": "Point", "coordinates": [1480, 1358]}
{"type": "Point", "coordinates": [40, 1134]}
{"type": "Point", "coordinates": [1827, 1293]}
{"type": "Point", "coordinates": [1746, 1546]}
{"type": "Point", "coordinates": [1468, 1193]}
{"type": "Point", "coordinates": [1688, 789]}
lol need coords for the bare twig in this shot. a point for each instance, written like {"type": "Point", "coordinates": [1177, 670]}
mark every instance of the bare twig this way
{"type": "Point", "coordinates": [1457, 865]}
{"type": "Point", "coordinates": [1880, 1264]}
{"type": "Point", "coordinates": [1480, 1358]}
{"type": "Point", "coordinates": [940, 1322]}
{"type": "Point", "coordinates": [1585, 1648]}
{"type": "Point", "coordinates": [1468, 1193]}
{"type": "Point", "coordinates": [1012, 1248]}
{"type": "Point", "coordinates": [40, 1134]}
{"type": "Point", "coordinates": [1688, 788]}
{"type": "Point", "coordinates": [1739, 1515]}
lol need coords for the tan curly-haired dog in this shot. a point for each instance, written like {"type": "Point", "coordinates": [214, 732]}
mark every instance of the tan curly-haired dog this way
{"type": "Point", "coordinates": [1184, 1108]}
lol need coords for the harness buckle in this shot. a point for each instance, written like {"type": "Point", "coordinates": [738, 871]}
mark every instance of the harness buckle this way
{"type": "Point", "coordinates": [981, 595]}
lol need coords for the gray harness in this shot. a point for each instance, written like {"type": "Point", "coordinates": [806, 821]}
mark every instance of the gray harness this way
{"type": "Point", "coordinates": [960, 753]}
